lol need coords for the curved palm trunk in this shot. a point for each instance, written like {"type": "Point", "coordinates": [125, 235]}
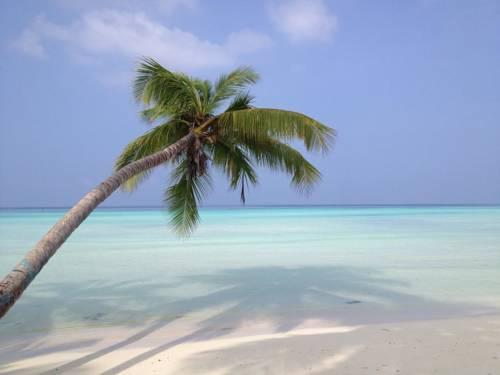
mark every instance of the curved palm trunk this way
{"type": "Point", "coordinates": [13, 285]}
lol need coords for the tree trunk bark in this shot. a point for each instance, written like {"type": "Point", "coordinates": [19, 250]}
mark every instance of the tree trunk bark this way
{"type": "Point", "coordinates": [14, 284]}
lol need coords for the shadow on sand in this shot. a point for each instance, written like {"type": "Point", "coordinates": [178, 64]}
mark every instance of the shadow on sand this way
{"type": "Point", "coordinates": [283, 297]}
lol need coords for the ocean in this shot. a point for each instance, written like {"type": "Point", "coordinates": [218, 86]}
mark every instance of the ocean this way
{"type": "Point", "coordinates": [349, 265]}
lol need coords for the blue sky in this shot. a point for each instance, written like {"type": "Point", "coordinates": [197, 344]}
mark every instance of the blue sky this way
{"type": "Point", "coordinates": [412, 87]}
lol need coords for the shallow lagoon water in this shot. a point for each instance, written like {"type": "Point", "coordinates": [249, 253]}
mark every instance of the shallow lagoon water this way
{"type": "Point", "coordinates": [349, 265]}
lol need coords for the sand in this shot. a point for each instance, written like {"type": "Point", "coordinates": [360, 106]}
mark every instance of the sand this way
{"type": "Point", "coordinates": [178, 346]}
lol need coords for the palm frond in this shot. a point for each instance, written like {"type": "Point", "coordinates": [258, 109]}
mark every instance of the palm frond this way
{"type": "Point", "coordinates": [239, 102]}
{"type": "Point", "coordinates": [233, 83]}
{"type": "Point", "coordinates": [183, 198]}
{"type": "Point", "coordinates": [175, 92]}
{"type": "Point", "coordinates": [154, 140]}
{"type": "Point", "coordinates": [154, 113]}
{"type": "Point", "coordinates": [255, 124]}
{"type": "Point", "coordinates": [205, 91]}
{"type": "Point", "coordinates": [235, 164]}
{"type": "Point", "coordinates": [279, 156]}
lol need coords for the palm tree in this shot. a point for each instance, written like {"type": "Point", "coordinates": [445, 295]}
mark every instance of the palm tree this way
{"type": "Point", "coordinates": [192, 135]}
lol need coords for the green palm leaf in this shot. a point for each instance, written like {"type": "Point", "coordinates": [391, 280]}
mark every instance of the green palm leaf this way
{"type": "Point", "coordinates": [235, 164]}
{"type": "Point", "coordinates": [205, 92]}
{"type": "Point", "coordinates": [154, 140]}
{"type": "Point", "coordinates": [154, 113]}
{"type": "Point", "coordinates": [239, 102]}
{"type": "Point", "coordinates": [256, 124]}
{"type": "Point", "coordinates": [279, 156]}
{"type": "Point", "coordinates": [175, 92]}
{"type": "Point", "coordinates": [183, 197]}
{"type": "Point", "coordinates": [229, 85]}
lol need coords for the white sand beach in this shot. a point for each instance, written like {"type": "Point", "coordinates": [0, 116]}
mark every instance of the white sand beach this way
{"type": "Point", "coordinates": [454, 346]}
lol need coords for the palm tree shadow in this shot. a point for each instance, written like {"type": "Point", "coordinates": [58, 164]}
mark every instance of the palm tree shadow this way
{"type": "Point", "coordinates": [283, 297]}
{"type": "Point", "coordinates": [288, 296]}
{"type": "Point", "coordinates": [102, 352]}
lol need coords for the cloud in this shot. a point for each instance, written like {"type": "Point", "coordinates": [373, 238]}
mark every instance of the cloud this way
{"type": "Point", "coordinates": [29, 43]}
{"type": "Point", "coordinates": [303, 20]}
{"type": "Point", "coordinates": [30, 40]}
{"type": "Point", "coordinates": [112, 33]}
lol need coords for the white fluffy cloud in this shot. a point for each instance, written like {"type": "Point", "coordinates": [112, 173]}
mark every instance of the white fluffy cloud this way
{"type": "Point", "coordinates": [303, 20]}
{"type": "Point", "coordinates": [133, 34]}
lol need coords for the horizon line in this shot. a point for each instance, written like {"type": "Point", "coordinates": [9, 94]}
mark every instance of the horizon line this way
{"type": "Point", "coordinates": [270, 205]}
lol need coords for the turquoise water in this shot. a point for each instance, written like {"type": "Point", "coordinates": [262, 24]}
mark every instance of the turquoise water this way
{"type": "Point", "coordinates": [349, 265]}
